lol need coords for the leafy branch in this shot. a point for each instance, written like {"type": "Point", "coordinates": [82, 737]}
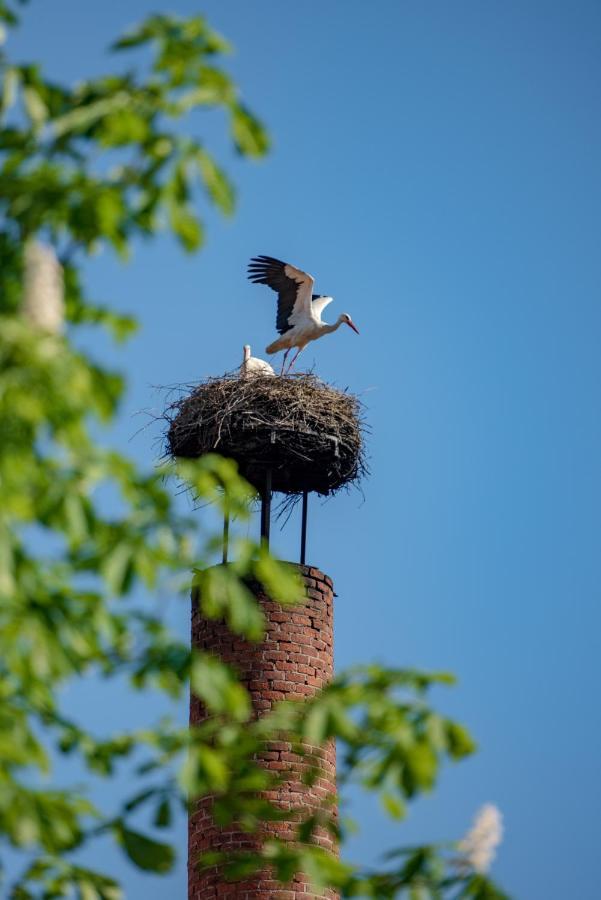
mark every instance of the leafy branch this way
{"type": "Point", "coordinates": [109, 162]}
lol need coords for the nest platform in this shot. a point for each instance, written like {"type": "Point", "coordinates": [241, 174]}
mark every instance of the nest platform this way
{"type": "Point", "coordinates": [307, 434]}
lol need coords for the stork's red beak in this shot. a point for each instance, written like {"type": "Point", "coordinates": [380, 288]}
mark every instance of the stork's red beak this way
{"type": "Point", "coordinates": [353, 326]}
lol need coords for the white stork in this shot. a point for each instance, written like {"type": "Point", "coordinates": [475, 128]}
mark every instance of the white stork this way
{"type": "Point", "coordinates": [252, 365]}
{"type": "Point", "coordinates": [299, 310]}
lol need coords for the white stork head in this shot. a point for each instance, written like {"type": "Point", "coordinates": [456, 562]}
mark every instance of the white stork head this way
{"type": "Point", "coordinates": [346, 319]}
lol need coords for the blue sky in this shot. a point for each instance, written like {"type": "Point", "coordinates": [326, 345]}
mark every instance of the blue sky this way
{"type": "Point", "coordinates": [436, 167]}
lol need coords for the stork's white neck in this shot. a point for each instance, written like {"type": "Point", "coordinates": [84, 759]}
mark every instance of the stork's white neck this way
{"type": "Point", "coordinates": [328, 329]}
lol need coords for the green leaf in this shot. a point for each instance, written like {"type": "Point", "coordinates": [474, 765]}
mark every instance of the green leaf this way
{"type": "Point", "coordinates": [144, 852]}
{"type": "Point", "coordinates": [205, 771]}
{"type": "Point", "coordinates": [393, 805]}
{"type": "Point", "coordinates": [249, 135]}
{"type": "Point", "coordinates": [478, 887]}
{"type": "Point", "coordinates": [139, 799]}
{"type": "Point", "coordinates": [135, 38]}
{"type": "Point", "coordinates": [218, 185]}
{"type": "Point", "coordinates": [316, 723]}
{"type": "Point", "coordinates": [75, 515]}
{"type": "Point", "coordinates": [422, 764]}
{"type": "Point", "coordinates": [110, 213]}
{"type": "Point", "coordinates": [34, 105]}
{"type": "Point", "coordinates": [187, 227]}
{"type": "Point", "coordinates": [82, 117]}
{"type": "Point", "coordinates": [126, 126]}
{"type": "Point", "coordinates": [115, 567]}
{"type": "Point", "coordinates": [218, 687]}
{"type": "Point", "coordinates": [460, 741]}
{"type": "Point", "coordinates": [10, 87]}
{"type": "Point", "coordinates": [222, 595]}
{"type": "Point", "coordinates": [280, 579]}
{"type": "Point", "coordinates": [88, 891]}
{"type": "Point", "coordinates": [162, 817]}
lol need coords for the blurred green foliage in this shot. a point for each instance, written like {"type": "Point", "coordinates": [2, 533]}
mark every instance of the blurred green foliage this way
{"type": "Point", "coordinates": [105, 163]}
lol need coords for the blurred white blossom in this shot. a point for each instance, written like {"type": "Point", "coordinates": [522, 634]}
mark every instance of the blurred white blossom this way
{"type": "Point", "coordinates": [43, 290]}
{"type": "Point", "coordinates": [477, 848]}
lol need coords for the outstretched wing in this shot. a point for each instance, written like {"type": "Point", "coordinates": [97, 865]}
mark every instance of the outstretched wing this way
{"type": "Point", "coordinates": [319, 304]}
{"type": "Point", "coordinates": [293, 287]}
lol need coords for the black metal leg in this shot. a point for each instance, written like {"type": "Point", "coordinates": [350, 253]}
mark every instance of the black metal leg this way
{"type": "Point", "coordinates": [226, 535]}
{"type": "Point", "coordinates": [304, 528]}
{"type": "Point", "coordinates": [266, 508]}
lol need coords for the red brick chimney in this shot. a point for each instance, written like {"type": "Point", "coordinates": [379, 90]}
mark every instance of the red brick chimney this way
{"type": "Point", "coordinates": [294, 660]}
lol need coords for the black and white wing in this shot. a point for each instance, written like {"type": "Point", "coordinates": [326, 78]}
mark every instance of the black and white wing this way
{"type": "Point", "coordinates": [293, 287]}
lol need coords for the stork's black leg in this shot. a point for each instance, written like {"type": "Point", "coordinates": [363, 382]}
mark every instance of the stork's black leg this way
{"type": "Point", "coordinates": [284, 361]}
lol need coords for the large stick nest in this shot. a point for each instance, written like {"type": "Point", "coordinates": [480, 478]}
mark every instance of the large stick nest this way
{"type": "Point", "coordinates": [309, 434]}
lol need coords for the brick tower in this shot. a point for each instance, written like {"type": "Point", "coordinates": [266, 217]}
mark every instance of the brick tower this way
{"type": "Point", "coordinates": [294, 435]}
{"type": "Point", "coordinates": [294, 660]}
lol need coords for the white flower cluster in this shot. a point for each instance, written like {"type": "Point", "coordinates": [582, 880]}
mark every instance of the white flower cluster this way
{"type": "Point", "coordinates": [43, 290]}
{"type": "Point", "coordinates": [477, 848]}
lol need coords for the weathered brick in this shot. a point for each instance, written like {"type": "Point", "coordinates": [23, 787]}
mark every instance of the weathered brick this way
{"type": "Point", "coordinates": [294, 660]}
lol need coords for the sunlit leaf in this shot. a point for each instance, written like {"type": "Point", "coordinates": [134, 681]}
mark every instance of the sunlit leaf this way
{"type": "Point", "coordinates": [218, 687]}
{"type": "Point", "coordinates": [218, 185]}
{"type": "Point", "coordinates": [186, 226]}
{"type": "Point", "coordinates": [393, 805]}
{"type": "Point", "coordinates": [34, 105]}
{"type": "Point", "coordinates": [249, 135]}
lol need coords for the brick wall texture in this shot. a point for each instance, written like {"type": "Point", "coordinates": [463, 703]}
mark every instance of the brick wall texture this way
{"type": "Point", "coordinates": [293, 661]}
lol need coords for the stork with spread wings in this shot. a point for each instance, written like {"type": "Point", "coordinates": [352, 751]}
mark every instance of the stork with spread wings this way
{"type": "Point", "coordinates": [299, 312]}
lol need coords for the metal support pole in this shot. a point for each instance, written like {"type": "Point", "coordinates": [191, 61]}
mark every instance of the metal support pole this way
{"type": "Point", "coordinates": [266, 508]}
{"type": "Point", "coordinates": [226, 535]}
{"type": "Point", "coordinates": [304, 528]}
